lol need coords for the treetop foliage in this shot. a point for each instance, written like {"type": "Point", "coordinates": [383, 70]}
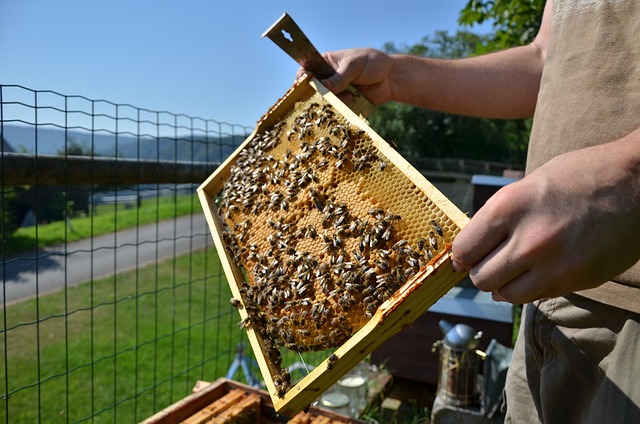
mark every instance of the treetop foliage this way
{"type": "Point", "coordinates": [515, 22]}
{"type": "Point", "coordinates": [431, 134]}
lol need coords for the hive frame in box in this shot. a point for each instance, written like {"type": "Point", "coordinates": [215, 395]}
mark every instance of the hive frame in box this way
{"type": "Point", "coordinates": [397, 312]}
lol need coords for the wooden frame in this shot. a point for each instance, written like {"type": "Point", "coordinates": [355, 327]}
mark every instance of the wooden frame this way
{"type": "Point", "coordinates": [397, 312]}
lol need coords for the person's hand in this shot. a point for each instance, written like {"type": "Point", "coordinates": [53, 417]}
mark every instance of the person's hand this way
{"type": "Point", "coordinates": [572, 224]}
{"type": "Point", "coordinates": [366, 69]}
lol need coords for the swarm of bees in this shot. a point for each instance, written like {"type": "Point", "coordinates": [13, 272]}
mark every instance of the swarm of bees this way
{"type": "Point", "coordinates": [320, 253]}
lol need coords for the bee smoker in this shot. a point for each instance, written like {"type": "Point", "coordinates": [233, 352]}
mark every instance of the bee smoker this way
{"type": "Point", "coordinates": [458, 365]}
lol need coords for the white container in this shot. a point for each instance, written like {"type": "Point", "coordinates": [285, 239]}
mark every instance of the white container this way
{"type": "Point", "coordinates": [336, 401]}
{"type": "Point", "coordinates": [355, 387]}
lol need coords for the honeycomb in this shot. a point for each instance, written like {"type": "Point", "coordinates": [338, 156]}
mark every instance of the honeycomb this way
{"type": "Point", "coordinates": [325, 227]}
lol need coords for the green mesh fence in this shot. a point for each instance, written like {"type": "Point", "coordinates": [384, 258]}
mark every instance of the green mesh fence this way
{"type": "Point", "coordinates": [114, 303]}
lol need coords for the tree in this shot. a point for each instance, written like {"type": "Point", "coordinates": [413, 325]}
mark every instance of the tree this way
{"type": "Point", "coordinates": [441, 44]}
{"type": "Point", "coordinates": [12, 210]}
{"type": "Point", "coordinates": [74, 198]}
{"type": "Point", "coordinates": [515, 22]}
{"type": "Point", "coordinates": [426, 133]}
{"type": "Point", "coordinates": [74, 147]}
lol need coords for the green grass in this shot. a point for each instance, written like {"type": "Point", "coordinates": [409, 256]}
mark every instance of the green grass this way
{"type": "Point", "coordinates": [121, 348]}
{"type": "Point", "coordinates": [106, 219]}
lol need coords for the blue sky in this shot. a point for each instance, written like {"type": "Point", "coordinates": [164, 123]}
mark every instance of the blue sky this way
{"type": "Point", "coordinates": [198, 57]}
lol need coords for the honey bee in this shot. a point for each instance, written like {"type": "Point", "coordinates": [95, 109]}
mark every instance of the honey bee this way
{"type": "Point", "coordinates": [321, 120]}
{"type": "Point", "coordinates": [369, 299]}
{"type": "Point", "coordinates": [286, 377]}
{"type": "Point", "coordinates": [236, 303]}
{"type": "Point", "coordinates": [274, 356]}
{"type": "Point", "coordinates": [432, 240]}
{"type": "Point", "coordinates": [337, 241]}
{"type": "Point", "coordinates": [386, 236]}
{"type": "Point", "coordinates": [320, 339]}
{"type": "Point", "coordinates": [245, 323]}
{"type": "Point", "coordinates": [370, 274]}
{"type": "Point", "coordinates": [281, 391]}
{"type": "Point", "coordinates": [382, 263]}
{"type": "Point", "coordinates": [331, 360]}
{"type": "Point", "coordinates": [413, 262]}
{"type": "Point", "coordinates": [437, 227]}
{"type": "Point", "coordinates": [400, 244]}
{"type": "Point", "coordinates": [273, 224]}
{"type": "Point", "coordinates": [336, 335]}
{"type": "Point", "coordinates": [371, 307]}
{"type": "Point", "coordinates": [344, 301]}
{"type": "Point", "coordinates": [377, 213]}
{"type": "Point", "coordinates": [304, 332]}
{"type": "Point", "coordinates": [428, 254]}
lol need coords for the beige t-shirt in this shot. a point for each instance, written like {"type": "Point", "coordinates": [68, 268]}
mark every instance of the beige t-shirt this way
{"type": "Point", "coordinates": [589, 95]}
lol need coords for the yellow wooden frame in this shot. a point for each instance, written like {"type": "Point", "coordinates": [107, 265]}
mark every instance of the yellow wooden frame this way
{"type": "Point", "coordinates": [399, 311]}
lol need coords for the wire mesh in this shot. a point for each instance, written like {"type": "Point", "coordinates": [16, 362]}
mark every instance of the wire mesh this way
{"type": "Point", "coordinates": [113, 302]}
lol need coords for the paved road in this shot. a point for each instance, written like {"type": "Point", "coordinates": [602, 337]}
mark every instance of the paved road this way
{"type": "Point", "coordinates": [51, 268]}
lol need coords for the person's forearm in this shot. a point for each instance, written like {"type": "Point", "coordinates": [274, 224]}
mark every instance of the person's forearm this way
{"type": "Point", "coordinates": [497, 85]}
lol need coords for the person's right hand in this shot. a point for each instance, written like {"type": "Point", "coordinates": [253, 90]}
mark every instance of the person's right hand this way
{"type": "Point", "coordinates": [366, 69]}
{"type": "Point", "coordinates": [572, 224]}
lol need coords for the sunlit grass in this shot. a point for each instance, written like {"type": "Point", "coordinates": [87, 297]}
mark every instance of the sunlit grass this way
{"type": "Point", "coordinates": [105, 219]}
{"type": "Point", "coordinates": [121, 348]}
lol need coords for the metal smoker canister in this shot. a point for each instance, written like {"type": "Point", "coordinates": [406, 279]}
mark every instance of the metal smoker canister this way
{"type": "Point", "coordinates": [459, 364]}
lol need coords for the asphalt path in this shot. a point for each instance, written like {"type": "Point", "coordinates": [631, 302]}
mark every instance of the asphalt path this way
{"type": "Point", "coordinates": [55, 267]}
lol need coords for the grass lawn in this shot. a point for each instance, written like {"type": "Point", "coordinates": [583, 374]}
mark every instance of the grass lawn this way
{"type": "Point", "coordinates": [121, 348]}
{"type": "Point", "coordinates": [106, 219]}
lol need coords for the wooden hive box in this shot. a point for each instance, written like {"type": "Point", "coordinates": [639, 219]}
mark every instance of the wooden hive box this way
{"type": "Point", "coordinates": [228, 401]}
{"type": "Point", "coordinates": [330, 240]}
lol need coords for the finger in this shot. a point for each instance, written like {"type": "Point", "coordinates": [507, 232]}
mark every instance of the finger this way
{"type": "Point", "coordinates": [346, 97]}
{"type": "Point", "coordinates": [477, 239]}
{"type": "Point", "coordinates": [497, 268]}
{"type": "Point", "coordinates": [345, 74]}
{"type": "Point", "coordinates": [300, 73]}
{"type": "Point", "coordinates": [497, 298]}
{"type": "Point", "coordinates": [525, 288]}
{"type": "Point", "coordinates": [335, 83]}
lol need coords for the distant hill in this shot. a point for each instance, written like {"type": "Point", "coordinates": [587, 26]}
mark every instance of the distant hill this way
{"type": "Point", "coordinates": [51, 141]}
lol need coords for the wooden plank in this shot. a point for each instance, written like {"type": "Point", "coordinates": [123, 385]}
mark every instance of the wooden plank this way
{"type": "Point", "coordinates": [247, 409]}
{"type": "Point", "coordinates": [189, 405]}
{"type": "Point", "coordinates": [200, 385]}
{"type": "Point", "coordinates": [232, 398]}
{"type": "Point", "coordinates": [235, 277]}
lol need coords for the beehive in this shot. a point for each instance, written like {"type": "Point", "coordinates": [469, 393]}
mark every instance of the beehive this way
{"type": "Point", "coordinates": [324, 232]}
{"type": "Point", "coordinates": [228, 401]}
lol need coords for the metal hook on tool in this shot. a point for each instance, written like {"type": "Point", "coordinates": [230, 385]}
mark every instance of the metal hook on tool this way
{"type": "Point", "coordinates": [287, 35]}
